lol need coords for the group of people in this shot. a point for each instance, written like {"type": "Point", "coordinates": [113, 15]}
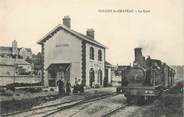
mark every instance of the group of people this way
{"type": "Point", "coordinates": [65, 88]}
{"type": "Point", "coordinates": [78, 87]}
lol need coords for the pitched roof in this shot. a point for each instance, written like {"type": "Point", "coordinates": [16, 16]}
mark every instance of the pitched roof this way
{"type": "Point", "coordinates": [5, 48]}
{"type": "Point", "coordinates": [28, 49]}
{"type": "Point", "coordinates": [10, 48]}
{"type": "Point", "coordinates": [77, 34]}
{"type": "Point", "coordinates": [107, 63]}
{"type": "Point", "coordinates": [22, 62]}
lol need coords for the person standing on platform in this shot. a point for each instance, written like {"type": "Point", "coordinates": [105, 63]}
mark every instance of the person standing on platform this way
{"type": "Point", "coordinates": [75, 86]}
{"type": "Point", "coordinates": [61, 89]}
{"type": "Point", "coordinates": [76, 82]}
{"type": "Point", "coordinates": [82, 86]}
{"type": "Point", "coordinates": [68, 86]}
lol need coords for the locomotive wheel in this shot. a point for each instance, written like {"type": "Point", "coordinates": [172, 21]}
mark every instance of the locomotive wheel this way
{"type": "Point", "coordinates": [138, 100]}
{"type": "Point", "coordinates": [129, 99]}
{"type": "Point", "coordinates": [134, 100]}
{"type": "Point", "coordinates": [142, 100]}
{"type": "Point", "coordinates": [149, 99]}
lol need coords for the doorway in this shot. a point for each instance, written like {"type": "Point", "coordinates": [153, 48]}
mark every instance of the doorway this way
{"type": "Point", "coordinates": [58, 72]}
{"type": "Point", "coordinates": [100, 77]}
{"type": "Point", "coordinates": [91, 77]}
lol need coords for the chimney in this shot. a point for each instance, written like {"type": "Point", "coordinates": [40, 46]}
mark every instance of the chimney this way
{"type": "Point", "coordinates": [90, 33]}
{"type": "Point", "coordinates": [66, 21]}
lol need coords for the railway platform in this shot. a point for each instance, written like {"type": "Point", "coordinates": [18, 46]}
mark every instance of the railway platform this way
{"type": "Point", "coordinates": [26, 100]}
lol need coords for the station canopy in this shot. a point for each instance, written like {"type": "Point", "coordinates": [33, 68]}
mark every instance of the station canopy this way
{"type": "Point", "coordinates": [59, 67]}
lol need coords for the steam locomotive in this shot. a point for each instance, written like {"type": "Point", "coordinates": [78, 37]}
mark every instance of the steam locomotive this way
{"type": "Point", "coordinates": [146, 79]}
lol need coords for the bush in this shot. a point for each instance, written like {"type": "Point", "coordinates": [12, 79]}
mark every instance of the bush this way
{"type": "Point", "coordinates": [2, 90]}
{"type": "Point", "coordinates": [11, 87]}
{"type": "Point", "coordinates": [178, 88]}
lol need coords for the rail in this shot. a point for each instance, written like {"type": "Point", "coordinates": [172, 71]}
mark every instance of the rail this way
{"type": "Point", "coordinates": [107, 114]}
{"type": "Point", "coordinates": [48, 110]}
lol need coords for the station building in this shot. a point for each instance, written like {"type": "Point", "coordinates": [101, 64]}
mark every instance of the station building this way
{"type": "Point", "coordinates": [70, 55]}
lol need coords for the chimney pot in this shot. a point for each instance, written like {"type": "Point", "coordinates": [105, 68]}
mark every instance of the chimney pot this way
{"type": "Point", "coordinates": [67, 21]}
{"type": "Point", "coordinates": [90, 33]}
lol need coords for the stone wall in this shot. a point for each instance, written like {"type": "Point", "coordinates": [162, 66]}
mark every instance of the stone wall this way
{"type": "Point", "coordinates": [4, 80]}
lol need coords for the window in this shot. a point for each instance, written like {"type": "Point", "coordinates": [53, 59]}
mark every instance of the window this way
{"type": "Point", "coordinates": [92, 53]}
{"type": "Point", "coordinates": [99, 55]}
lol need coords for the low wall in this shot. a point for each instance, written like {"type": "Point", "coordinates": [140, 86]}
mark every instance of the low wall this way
{"type": "Point", "coordinates": [4, 80]}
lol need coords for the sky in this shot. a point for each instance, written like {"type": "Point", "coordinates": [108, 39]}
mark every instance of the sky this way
{"type": "Point", "coordinates": [159, 31]}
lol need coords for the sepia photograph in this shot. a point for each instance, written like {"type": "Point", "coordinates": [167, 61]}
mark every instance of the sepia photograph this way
{"type": "Point", "coordinates": [91, 58]}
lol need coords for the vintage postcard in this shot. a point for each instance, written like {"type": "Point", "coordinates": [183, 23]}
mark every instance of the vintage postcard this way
{"type": "Point", "coordinates": [91, 58]}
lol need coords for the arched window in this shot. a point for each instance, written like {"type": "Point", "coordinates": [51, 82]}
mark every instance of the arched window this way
{"type": "Point", "coordinates": [92, 53]}
{"type": "Point", "coordinates": [99, 55]}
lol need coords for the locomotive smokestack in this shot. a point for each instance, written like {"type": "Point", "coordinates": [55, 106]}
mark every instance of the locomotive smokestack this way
{"type": "Point", "coordinates": [139, 58]}
{"type": "Point", "coordinates": [138, 53]}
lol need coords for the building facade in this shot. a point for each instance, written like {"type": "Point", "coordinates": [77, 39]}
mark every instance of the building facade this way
{"type": "Point", "coordinates": [179, 72]}
{"type": "Point", "coordinates": [15, 71]}
{"type": "Point", "coordinates": [69, 55]}
{"type": "Point", "coordinates": [15, 52]}
{"type": "Point", "coordinates": [37, 61]}
{"type": "Point", "coordinates": [109, 70]}
{"type": "Point", "coordinates": [16, 57]}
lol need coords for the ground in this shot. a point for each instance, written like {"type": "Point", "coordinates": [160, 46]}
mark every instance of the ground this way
{"type": "Point", "coordinates": [25, 99]}
{"type": "Point", "coordinates": [170, 104]}
{"type": "Point", "coordinates": [94, 109]}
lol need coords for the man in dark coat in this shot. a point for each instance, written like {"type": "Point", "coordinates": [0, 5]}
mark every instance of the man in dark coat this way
{"type": "Point", "coordinates": [60, 85]}
{"type": "Point", "coordinates": [82, 87]}
{"type": "Point", "coordinates": [75, 86]}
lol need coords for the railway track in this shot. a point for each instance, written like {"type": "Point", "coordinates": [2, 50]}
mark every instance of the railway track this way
{"type": "Point", "coordinates": [35, 109]}
{"type": "Point", "coordinates": [48, 110]}
{"type": "Point", "coordinates": [78, 103]}
{"type": "Point", "coordinates": [108, 114]}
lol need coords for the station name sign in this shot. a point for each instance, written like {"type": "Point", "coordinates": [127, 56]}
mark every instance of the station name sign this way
{"type": "Point", "coordinates": [62, 45]}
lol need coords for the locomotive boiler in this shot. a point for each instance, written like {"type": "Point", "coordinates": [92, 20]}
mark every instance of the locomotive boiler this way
{"type": "Point", "coordinates": [146, 79]}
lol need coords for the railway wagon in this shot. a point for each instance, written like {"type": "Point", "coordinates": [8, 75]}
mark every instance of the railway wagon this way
{"type": "Point", "coordinates": [146, 79]}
